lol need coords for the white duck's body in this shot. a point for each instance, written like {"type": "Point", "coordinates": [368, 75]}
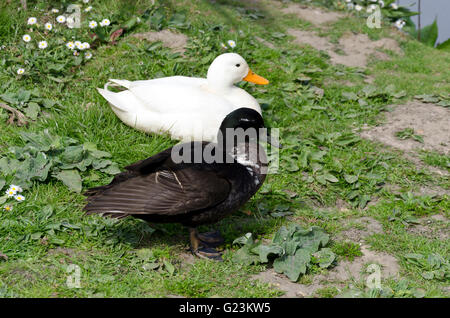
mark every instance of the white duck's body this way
{"type": "Point", "coordinates": [189, 108]}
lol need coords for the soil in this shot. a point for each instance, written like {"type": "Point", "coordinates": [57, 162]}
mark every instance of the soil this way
{"type": "Point", "coordinates": [430, 121]}
{"type": "Point", "coordinates": [176, 41]}
{"type": "Point", "coordinates": [354, 234]}
{"type": "Point", "coordinates": [347, 270]}
{"type": "Point", "coordinates": [356, 48]}
{"type": "Point", "coordinates": [313, 15]}
{"type": "Point", "coordinates": [436, 226]}
{"type": "Point", "coordinates": [337, 276]}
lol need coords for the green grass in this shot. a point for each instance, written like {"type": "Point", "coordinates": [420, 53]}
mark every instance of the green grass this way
{"type": "Point", "coordinates": [310, 128]}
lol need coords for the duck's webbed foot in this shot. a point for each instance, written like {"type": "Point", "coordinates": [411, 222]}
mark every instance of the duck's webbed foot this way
{"type": "Point", "coordinates": [202, 245]}
{"type": "Point", "coordinates": [211, 239]}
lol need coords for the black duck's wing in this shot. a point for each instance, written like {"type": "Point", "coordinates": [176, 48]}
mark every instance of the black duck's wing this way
{"type": "Point", "coordinates": [166, 191]}
{"type": "Point", "coordinates": [133, 170]}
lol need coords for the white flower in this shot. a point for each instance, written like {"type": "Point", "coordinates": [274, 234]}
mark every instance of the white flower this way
{"type": "Point", "coordinates": [400, 24]}
{"type": "Point", "coordinates": [48, 26]}
{"type": "Point", "coordinates": [15, 188]}
{"type": "Point", "coordinates": [78, 44]}
{"type": "Point", "coordinates": [394, 6]}
{"type": "Point", "coordinates": [138, 20]}
{"type": "Point", "coordinates": [88, 55]}
{"type": "Point", "coordinates": [348, 1]}
{"type": "Point", "coordinates": [92, 24]}
{"type": "Point", "coordinates": [61, 19]}
{"type": "Point", "coordinates": [371, 8]}
{"type": "Point", "coordinates": [88, 9]}
{"type": "Point", "coordinates": [70, 45]}
{"type": "Point", "coordinates": [32, 20]}
{"type": "Point", "coordinates": [381, 3]}
{"type": "Point", "coordinates": [20, 71]}
{"type": "Point", "coordinates": [358, 7]}
{"type": "Point", "coordinates": [19, 197]}
{"type": "Point", "coordinates": [42, 44]}
{"type": "Point", "coordinates": [231, 43]}
{"type": "Point", "coordinates": [223, 46]}
{"type": "Point", "coordinates": [8, 208]}
{"type": "Point", "coordinates": [10, 193]}
{"type": "Point", "coordinates": [105, 22]}
{"type": "Point", "coordinates": [26, 38]}
{"type": "Point", "coordinates": [85, 45]}
{"type": "Point", "coordinates": [350, 6]}
{"type": "Point", "coordinates": [54, 10]}
{"type": "Point", "coordinates": [86, 1]}
{"type": "Point", "coordinates": [76, 53]}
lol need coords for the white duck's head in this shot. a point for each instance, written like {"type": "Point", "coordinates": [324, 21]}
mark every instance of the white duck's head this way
{"type": "Point", "coordinates": [230, 68]}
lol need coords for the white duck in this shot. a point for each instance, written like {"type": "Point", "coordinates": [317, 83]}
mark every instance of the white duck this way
{"type": "Point", "coordinates": [188, 108]}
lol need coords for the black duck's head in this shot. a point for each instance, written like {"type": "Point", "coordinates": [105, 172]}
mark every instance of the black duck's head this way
{"type": "Point", "coordinates": [246, 125]}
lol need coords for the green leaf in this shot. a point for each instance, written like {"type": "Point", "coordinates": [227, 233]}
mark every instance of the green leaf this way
{"type": "Point", "coordinates": [46, 212]}
{"type": "Point", "coordinates": [264, 251]}
{"type": "Point", "coordinates": [325, 257]}
{"type": "Point", "coordinates": [293, 266]}
{"type": "Point", "coordinates": [2, 183]}
{"type": "Point", "coordinates": [282, 235]}
{"type": "Point", "coordinates": [36, 236]}
{"type": "Point", "coordinates": [112, 169]}
{"type": "Point", "coordinates": [178, 20]}
{"type": "Point", "coordinates": [428, 275]}
{"type": "Point", "coordinates": [9, 166]}
{"type": "Point", "coordinates": [72, 154]}
{"type": "Point", "coordinates": [145, 254]}
{"type": "Point", "coordinates": [350, 96]}
{"type": "Point", "coordinates": [56, 241]}
{"type": "Point", "coordinates": [150, 266]}
{"type": "Point", "coordinates": [290, 165]}
{"type": "Point", "coordinates": [363, 200]}
{"type": "Point", "coordinates": [429, 34]}
{"type": "Point", "coordinates": [303, 160]}
{"type": "Point", "coordinates": [444, 103]}
{"type": "Point", "coordinates": [48, 103]}
{"type": "Point", "coordinates": [444, 45]}
{"type": "Point", "coordinates": [32, 110]}
{"type": "Point", "coordinates": [71, 178]}
{"type": "Point", "coordinates": [312, 239]}
{"type": "Point", "coordinates": [245, 256]}
{"type": "Point", "coordinates": [128, 25]}
{"type": "Point", "coordinates": [427, 98]}
{"type": "Point", "coordinates": [244, 240]}
{"type": "Point", "coordinates": [348, 139]}
{"type": "Point", "coordinates": [23, 96]}
{"type": "Point", "coordinates": [169, 267]}
{"type": "Point", "coordinates": [350, 178]}
{"type": "Point", "coordinates": [331, 178]}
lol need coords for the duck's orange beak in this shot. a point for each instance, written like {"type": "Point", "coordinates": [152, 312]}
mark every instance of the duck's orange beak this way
{"type": "Point", "coordinates": [255, 78]}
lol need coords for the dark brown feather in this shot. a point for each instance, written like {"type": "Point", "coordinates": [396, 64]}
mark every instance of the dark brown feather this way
{"type": "Point", "coordinates": [156, 186]}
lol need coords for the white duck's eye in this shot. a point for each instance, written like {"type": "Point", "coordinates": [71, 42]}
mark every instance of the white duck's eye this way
{"type": "Point", "coordinates": [237, 65]}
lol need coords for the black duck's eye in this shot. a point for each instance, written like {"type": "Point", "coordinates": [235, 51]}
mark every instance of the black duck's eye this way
{"type": "Point", "coordinates": [237, 65]}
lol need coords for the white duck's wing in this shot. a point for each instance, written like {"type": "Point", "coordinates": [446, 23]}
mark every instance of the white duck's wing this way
{"type": "Point", "coordinates": [185, 112]}
{"type": "Point", "coordinates": [171, 80]}
{"type": "Point", "coordinates": [179, 96]}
